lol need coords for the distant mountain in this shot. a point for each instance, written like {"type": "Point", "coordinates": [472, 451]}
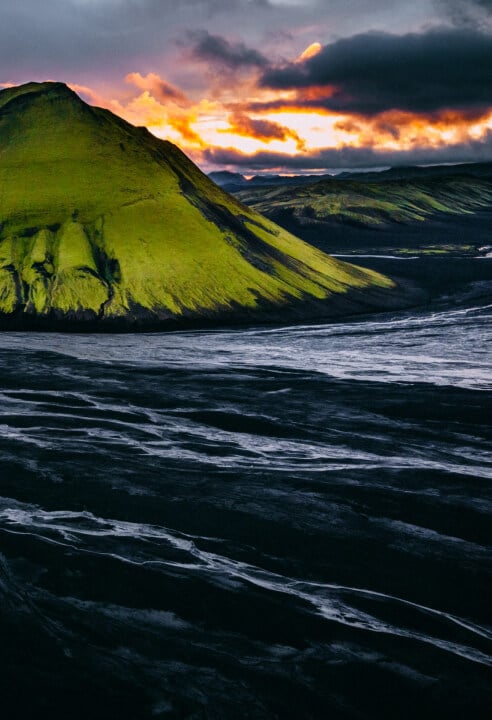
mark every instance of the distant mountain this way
{"type": "Point", "coordinates": [479, 170]}
{"type": "Point", "coordinates": [223, 178]}
{"type": "Point", "coordinates": [102, 225]}
{"type": "Point", "coordinates": [235, 182]}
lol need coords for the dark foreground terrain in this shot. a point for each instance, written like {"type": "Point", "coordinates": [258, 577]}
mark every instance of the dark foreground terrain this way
{"type": "Point", "coordinates": [287, 523]}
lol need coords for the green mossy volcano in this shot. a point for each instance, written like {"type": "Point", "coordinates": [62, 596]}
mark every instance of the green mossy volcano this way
{"type": "Point", "coordinates": [103, 225]}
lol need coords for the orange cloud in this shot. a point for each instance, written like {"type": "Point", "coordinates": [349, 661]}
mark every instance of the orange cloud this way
{"type": "Point", "coordinates": [399, 130]}
{"type": "Point", "coordinates": [257, 121]}
{"type": "Point", "coordinates": [164, 119]}
{"type": "Point", "coordinates": [262, 129]}
{"type": "Point", "coordinates": [159, 88]}
{"type": "Point", "coordinates": [310, 52]}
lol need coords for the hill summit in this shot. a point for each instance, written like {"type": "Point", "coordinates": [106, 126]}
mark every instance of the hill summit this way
{"type": "Point", "coordinates": [103, 225]}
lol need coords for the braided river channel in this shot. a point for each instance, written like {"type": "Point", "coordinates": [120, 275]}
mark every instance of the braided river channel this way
{"type": "Point", "coordinates": [264, 522]}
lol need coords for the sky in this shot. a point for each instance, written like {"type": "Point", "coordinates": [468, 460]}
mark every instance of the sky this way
{"type": "Point", "coordinates": [284, 86]}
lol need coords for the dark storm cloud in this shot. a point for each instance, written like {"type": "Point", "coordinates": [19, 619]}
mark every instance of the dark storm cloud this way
{"type": "Point", "coordinates": [218, 50]}
{"type": "Point", "coordinates": [362, 157]}
{"type": "Point", "coordinates": [374, 72]}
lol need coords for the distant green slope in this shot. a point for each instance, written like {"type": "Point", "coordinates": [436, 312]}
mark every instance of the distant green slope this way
{"type": "Point", "coordinates": [102, 222]}
{"type": "Point", "coordinates": [373, 204]}
{"type": "Point", "coordinates": [424, 215]}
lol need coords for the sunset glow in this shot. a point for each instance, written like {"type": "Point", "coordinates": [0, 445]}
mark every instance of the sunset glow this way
{"type": "Point", "coordinates": [310, 52]}
{"type": "Point", "coordinates": [294, 130]}
{"type": "Point", "coordinates": [305, 98]}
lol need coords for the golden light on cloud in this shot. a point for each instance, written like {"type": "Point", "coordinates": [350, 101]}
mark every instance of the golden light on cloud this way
{"type": "Point", "coordinates": [249, 145]}
{"type": "Point", "coordinates": [310, 52]}
{"type": "Point", "coordinates": [316, 130]}
{"type": "Point", "coordinates": [258, 120]}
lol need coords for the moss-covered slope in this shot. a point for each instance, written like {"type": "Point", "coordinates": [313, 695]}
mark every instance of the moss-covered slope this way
{"type": "Point", "coordinates": [372, 205]}
{"type": "Point", "coordinates": [103, 224]}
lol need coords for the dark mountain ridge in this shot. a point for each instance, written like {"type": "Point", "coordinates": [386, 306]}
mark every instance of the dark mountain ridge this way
{"type": "Point", "coordinates": [235, 182]}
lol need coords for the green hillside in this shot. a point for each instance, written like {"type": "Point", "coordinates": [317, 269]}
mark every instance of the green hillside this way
{"type": "Point", "coordinates": [320, 210]}
{"type": "Point", "coordinates": [374, 204]}
{"type": "Point", "coordinates": [104, 223]}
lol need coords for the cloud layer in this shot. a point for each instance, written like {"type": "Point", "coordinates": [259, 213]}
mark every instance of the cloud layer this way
{"type": "Point", "coordinates": [220, 51]}
{"type": "Point", "coordinates": [351, 157]}
{"type": "Point", "coordinates": [373, 72]}
{"type": "Point", "coordinates": [272, 84]}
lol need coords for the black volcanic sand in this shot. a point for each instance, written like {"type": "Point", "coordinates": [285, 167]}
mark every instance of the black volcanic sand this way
{"type": "Point", "coordinates": [441, 278]}
{"type": "Point", "coordinates": [287, 523]}
{"type": "Point", "coordinates": [340, 237]}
